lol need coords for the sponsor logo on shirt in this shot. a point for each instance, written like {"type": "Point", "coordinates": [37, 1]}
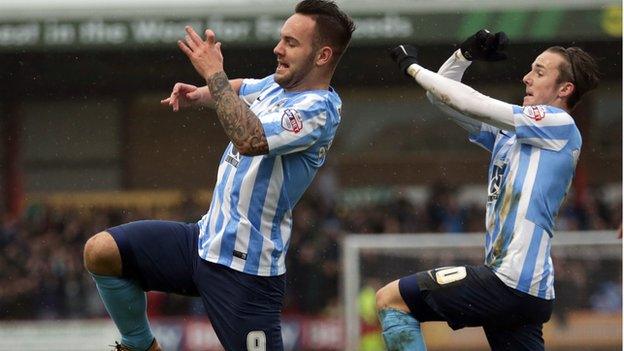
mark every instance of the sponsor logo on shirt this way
{"type": "Point", "coordinates": [233, 157]}
{"type": "Point", "coordinates": [291, 121]}
{"type": "Point", "coordinates": [322, 154]}
{"type": "Point", "coordinates": [496, 178]}
{"type": "Point", "coordinates": [535, 112]}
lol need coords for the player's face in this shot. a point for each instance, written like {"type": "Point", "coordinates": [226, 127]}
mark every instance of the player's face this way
{"type": "Point", "coordinates": [295, 51]}
{"type": "Point", "coordinates": [541, 82]}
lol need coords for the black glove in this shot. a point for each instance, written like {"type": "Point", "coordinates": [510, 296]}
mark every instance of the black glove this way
{"type": "Point", "coordinates": [485, 46]}
{"type": "Point", "coordinates": [404, 56]}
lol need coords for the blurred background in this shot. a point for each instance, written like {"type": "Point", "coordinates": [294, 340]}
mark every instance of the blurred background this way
{"type": "Point", "coordinates": [86, 145]}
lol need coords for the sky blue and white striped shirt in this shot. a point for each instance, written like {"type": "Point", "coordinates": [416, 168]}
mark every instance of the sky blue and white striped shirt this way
{"type": "Point", "coordinates": [247, 227]}
{"type": "Point", "coordinates": [530, 173]}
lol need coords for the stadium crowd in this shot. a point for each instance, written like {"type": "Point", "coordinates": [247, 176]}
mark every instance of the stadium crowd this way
{"type": "Point", "coordinates": [42, 276]}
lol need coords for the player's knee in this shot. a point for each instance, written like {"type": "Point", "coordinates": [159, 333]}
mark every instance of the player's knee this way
{"type": "Point", "coordinates": [390, 297]}
{"type": "Point", "coordinates": [101, 255]}
{"type": "Point", "coordinates": [383, 298]}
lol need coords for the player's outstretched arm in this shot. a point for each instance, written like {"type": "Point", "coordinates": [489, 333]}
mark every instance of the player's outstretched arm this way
{"type": "Point", "coordinates": [241, 125]}
{"type": "Point", "coordinates": [456, 95]}
{"type": "Point", "coordinates": [482, 46]}
{"type": "Point", "coordinates": [188, 95]}
{"type": "Point", "coordinates": [454, 69]}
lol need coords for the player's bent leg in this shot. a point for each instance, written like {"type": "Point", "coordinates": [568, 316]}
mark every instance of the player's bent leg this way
{"type": "Point", "coordinates": [400, 330]}
{"type": "Point", "coordinates": [124, 299]}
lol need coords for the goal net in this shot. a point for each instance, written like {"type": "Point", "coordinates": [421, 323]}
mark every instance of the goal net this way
{"type": "Point", "coordinates": [588, 286]}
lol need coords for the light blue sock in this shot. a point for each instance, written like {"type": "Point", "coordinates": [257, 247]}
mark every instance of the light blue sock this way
{"type": "Point", "coordinates": [126, 304]}
{"type": "Point", "coordinates": [401, 331]}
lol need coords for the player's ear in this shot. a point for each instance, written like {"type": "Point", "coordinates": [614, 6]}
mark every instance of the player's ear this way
{"type": "Point", "coordinates": [324, 56]}
{"type": "Point", "coordinates": [566, 90]}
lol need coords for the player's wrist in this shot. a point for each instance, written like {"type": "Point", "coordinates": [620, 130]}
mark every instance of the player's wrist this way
{"type": "Point", "coordinates": [212, 74]}
{"type": "Point", "coordinates": [460, 57]}
{"type": "Point", "coordinates": [413, 69]}
{"type": "Point", "coordinates": [204, 99]}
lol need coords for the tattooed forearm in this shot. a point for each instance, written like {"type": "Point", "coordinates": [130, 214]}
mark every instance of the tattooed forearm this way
{"type": "Point", "coordinates": [241, 125]}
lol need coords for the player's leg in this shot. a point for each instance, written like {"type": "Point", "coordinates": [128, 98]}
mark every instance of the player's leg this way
{"type": "Point", "coordinates": [461, 296]}
{"type": "Point", "coordinates": [123, 298]}
{"type": "Point", "coordinates": [244, 309]}
{"type": "Point", "coordinates": [400, 328]}
{"type": "Point", "coordinates": [128, 260]}
{"type": "Point", "coordinates": [526, 337]}
{"type": "Point", "coordinates": [473, 296]}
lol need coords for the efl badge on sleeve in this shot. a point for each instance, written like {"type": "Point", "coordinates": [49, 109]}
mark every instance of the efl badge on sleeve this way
{"type": "Point", "coordinates": [535, 112]}
{"type": "Point", "coordinates": [291, 120]}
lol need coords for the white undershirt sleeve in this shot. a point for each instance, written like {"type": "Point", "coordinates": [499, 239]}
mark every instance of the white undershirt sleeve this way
{"type": "Point", "coordinates": [465, 101]}
{"type": "Point", "coordinates": [454, 69]}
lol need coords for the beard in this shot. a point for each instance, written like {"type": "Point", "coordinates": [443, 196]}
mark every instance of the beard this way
{"type": "Point", "coordinates": [294, 76]}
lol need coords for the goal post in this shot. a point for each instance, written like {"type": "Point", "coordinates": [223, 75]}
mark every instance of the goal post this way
{"type": "Point", "coordinates": [582, 244]}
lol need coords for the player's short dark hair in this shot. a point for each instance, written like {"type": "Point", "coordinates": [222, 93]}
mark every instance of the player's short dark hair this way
{"type": "Point", "coordinates": [579, 68]}
{"type": "Point", "coordinates": [333, 26]}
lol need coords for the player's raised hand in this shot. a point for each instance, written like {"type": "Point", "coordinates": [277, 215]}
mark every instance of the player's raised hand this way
{"type": "Point", "coordinates": [184, 95]}
{"type": "Point", "coordinates": [205, 55]}
{"type": "Point", "coordinates": [485, 46]}
{"type": "Point", "coordinates": [404, 56]}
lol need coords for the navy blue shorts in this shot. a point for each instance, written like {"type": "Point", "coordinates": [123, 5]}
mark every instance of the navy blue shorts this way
{"type": "Point", "coordinates": [511, 319]}
{"type": "Point", "coordinates": [244, 309]}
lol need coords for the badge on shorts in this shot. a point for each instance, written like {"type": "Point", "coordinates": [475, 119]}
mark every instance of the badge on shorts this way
{"type": "Point", "coordinates": [291, 121]}
{"type": "Point", "coordinates": [534, 112]}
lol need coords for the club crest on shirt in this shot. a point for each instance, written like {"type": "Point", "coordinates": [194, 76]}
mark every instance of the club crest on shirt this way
{"type": "Point", "coordinates": [291, 121]}
{"type": "Point", "coordinates": [534, 112]}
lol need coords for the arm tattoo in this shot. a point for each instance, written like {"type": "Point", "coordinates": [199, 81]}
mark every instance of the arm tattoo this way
{"type": "Point", "coordinates": [241, 125]}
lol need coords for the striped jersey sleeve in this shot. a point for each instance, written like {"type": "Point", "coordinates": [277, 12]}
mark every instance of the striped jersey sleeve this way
{"type": "Point", "coordinates": [297, 125]}
{"type": "Point", "coordinates": [542, 126]}
{"type": "Point", "coordinates": [251, 88]}
{"type": "Point", "coordinates": [485, 137]}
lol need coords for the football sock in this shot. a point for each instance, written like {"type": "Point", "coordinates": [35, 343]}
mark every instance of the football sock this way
{"type": "Point", "coordinates": [401, 331]}
{"type": "Point", "coordinates": [126, 303]}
